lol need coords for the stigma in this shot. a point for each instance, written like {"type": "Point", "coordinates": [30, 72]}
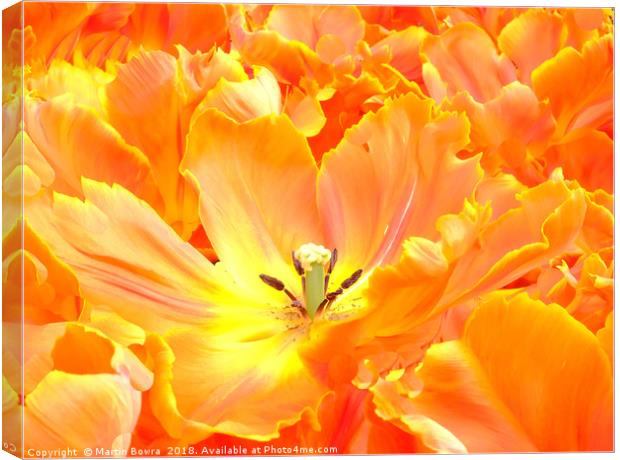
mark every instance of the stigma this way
{"type": "Point", "coordinates": [311, 254]}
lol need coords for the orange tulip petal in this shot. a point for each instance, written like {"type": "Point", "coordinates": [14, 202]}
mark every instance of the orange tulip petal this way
{"type": "Point", "coordinates": [378, 186]}
{"type": "Point", "coordinates": [532, 38]}
{"type": "Point", "coordinates": [186, 26]}
{"type": "Point", "coordinates": [202, 71]}
{"type": "Point", "coordinates": [573, 367]}
{"type": "Point", "coordinates": [291, 61]}
{"type": "Point", "coordinates": [58, 42]}
{"type": "Point", "coordinates": [546, 225]}
{"type": "Point", "coordinates": [503, 127]}
{"type": "Point", "coordinates": [400, 17]}
{"type": "Point", "coordinates": [584, 99]}
{"type": "Point", "coordinates": [593, 291]}
{"type": "Point", "coordinates": [501, 190]}
{"type": "Point", "coordinates": [162, 26]}
{"type": "Point", "coordinates": [606, 336]}
{"type": "Point", "coordinates": [473, 257]}
{"type": "Point", "coordinates": [466, 59]}
{"type": "Point", "coordinates": [403, 48]}
{"type": "Point", "coordinates": [146, 85]}
{"type": "Point", "coordinates": [308, 24]}
{"type": "Point", "coordinates": [598, 228]}
{"type": "Point", "coordinates": [342, 110]}
{"type": "Point", "coordinates": [62, 130]}
{"type": "Point", "coordinates": [584, 155]}
{"type": "Point", "coordinates": [480, 389]}
{"type": "Point", "coordinates": [80, 411]}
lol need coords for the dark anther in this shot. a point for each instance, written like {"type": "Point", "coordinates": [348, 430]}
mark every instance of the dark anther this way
{"type": "Point", "coordinates": [298, 268]}
{"type": "Point", "coordinates": [351, 280]}
{"type": "Point", "coordinates": [273, 282]}
{"type": "Point", "coordinates": [279, 285]}
{"type": "Point", "coordinates": [332, 295]}
{"type": "Point", "coordinates": [333, 260]}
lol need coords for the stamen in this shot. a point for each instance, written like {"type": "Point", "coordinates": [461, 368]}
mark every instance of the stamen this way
{"type": "Point", "coordinates": [290, 295]}
{"type": "Point", "coordinates": [332, 295]}
{"type": "Point", "coordinates": [351, 280]}
{"type": "Point", "coordinates": [278, 286]}
{"type": "Point", "coordinates": [297, 264]}
{"type": "Point", "coordinates": [272, 282]}
{"type": "Point", "coordinates": [332, 261]}
{"type": "Point", "coordinates": [332, 264]}
{"type": "Point", "coordinates": [297, 305]}
{"type": "Point", "coordinates": [321, 307]}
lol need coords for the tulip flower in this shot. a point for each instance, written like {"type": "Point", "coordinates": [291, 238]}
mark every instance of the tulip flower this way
{"type": "Point", "coordinates": [364, 229]}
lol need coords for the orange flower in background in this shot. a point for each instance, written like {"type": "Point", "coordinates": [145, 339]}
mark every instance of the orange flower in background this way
{"type": "Point", "coordinates": [308, 229]}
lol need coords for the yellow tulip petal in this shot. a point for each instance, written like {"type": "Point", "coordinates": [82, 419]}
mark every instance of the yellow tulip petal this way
{"type": "Point", "coordinates": [305, 112]}
{"type": "Point", "coordinates": [11, 418]}
{"type": "Point", "coordinates": [281, 390]}
{"type": "Point", "coordinates": [246, 100]}
{"type": "Point", "coordinates": [85, 84]}
{"type": "Point", "coordinates": [253, 215]}
{"type": "Point", "coordinates": [127, 258]}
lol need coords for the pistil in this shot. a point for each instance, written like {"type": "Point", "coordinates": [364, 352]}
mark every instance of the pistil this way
{"type": "Point", "coordinates": [315, 288]}
{"type": "Point", "coordinates": [313, 258]}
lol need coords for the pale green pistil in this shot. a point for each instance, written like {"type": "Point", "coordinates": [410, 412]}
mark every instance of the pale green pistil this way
{"type": "Point", "coordinates": [315, 288]}
{"type": "Point", "coordinates": [313, 258]}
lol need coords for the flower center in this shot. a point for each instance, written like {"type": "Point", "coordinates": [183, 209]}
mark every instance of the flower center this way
{"type": "Point", "coordinates": [314, 264]}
